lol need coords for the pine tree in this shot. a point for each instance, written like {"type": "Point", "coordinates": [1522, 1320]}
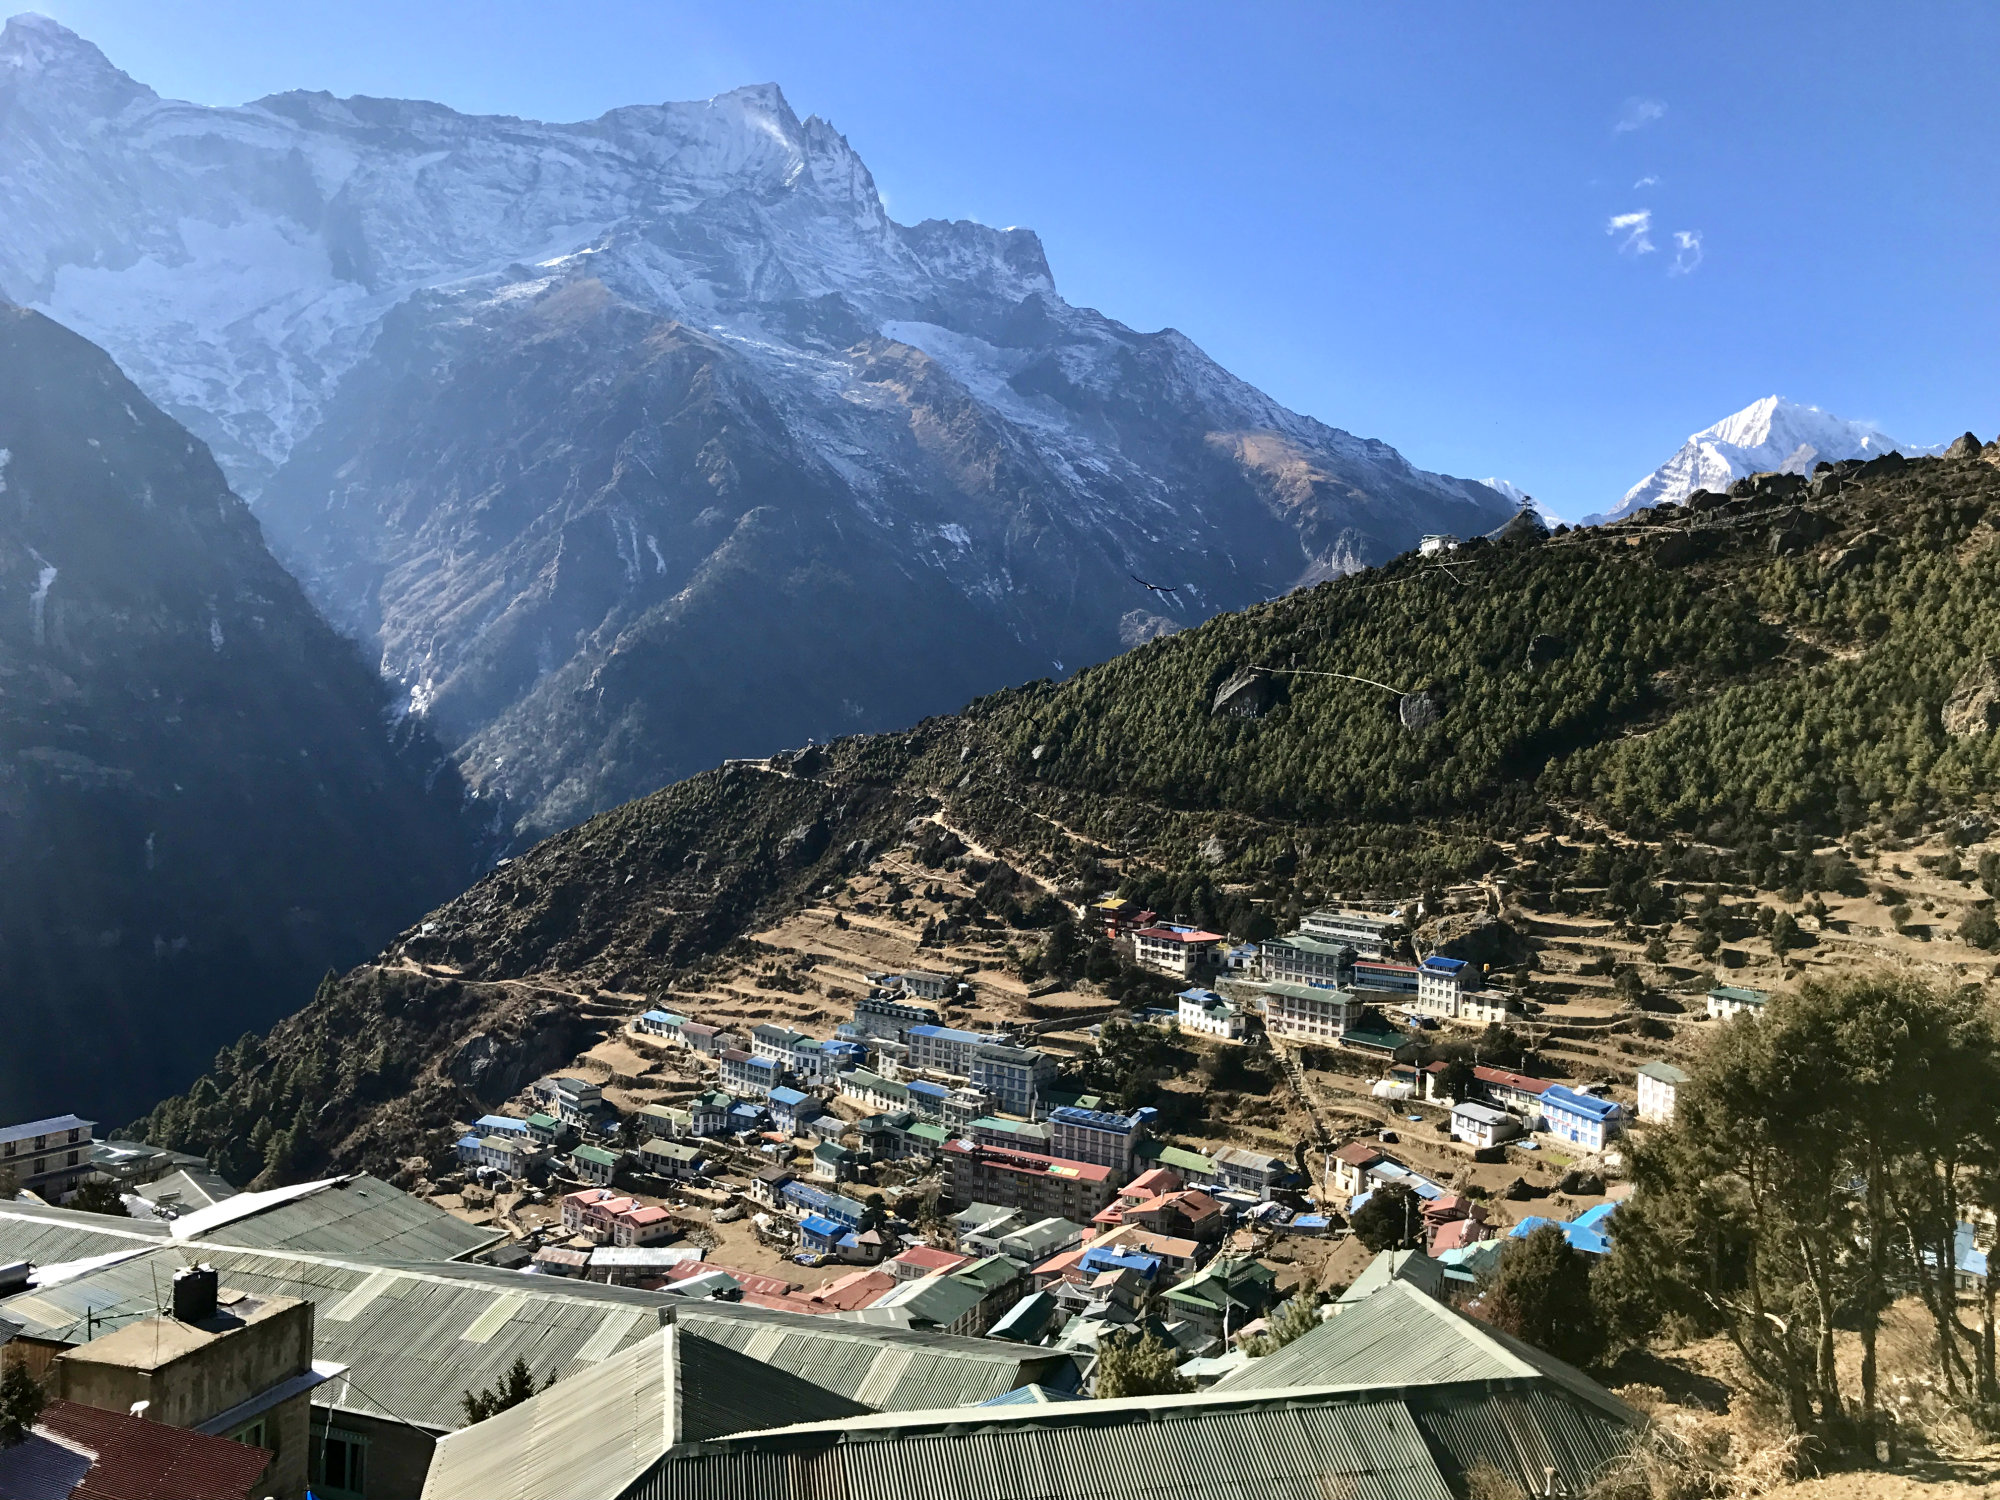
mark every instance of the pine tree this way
{"type": "Point", "coordinates": [1541, 1295]}
{"type": "Point", "coordinates": [21, 1401]}
{"type": "Point", "coordinates": [516, 1386]}
{"type": "Point", "coordinates": [1139, 1366]}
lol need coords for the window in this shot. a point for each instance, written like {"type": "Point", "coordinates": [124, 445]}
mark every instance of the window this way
{"type": "Point", "coordinates": [340, 1465]}
{"type": "Point", "coordinates": [252, 1436]}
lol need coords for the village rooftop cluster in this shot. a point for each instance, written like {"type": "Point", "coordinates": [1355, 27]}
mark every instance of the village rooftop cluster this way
{"type": "Point", "coordinates": [354, 1323]}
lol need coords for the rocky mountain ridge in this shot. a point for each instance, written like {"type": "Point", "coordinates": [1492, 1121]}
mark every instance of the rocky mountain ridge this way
{"type": "Point", "coordinates": [204, 799]}
{"type": "Point", "coordinates": [547, 414]}
{"type": "Point", "coordinates": [1709, 696]}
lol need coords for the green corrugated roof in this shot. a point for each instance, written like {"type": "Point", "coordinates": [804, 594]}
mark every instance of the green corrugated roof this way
{"type": "Point", "coordinates": [595, 1155]}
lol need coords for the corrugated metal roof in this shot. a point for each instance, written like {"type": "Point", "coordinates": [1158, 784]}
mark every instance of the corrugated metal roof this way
{"type": "Point", "coordinates": [890, 1369]}
{"type": "Point", "coordinates": [1402, 1336]}
{"type": "Point", "coordinates": [595, 1432]}
{"type": "Point", "coordinates": [49, 1236]}
{"type": "Point", "coordinates": [414, 1337]}
{"type": "Point", "coordinates": [1358, 1447]}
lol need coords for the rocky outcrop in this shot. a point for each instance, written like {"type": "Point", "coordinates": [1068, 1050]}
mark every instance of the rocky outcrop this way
{"type": "Point", "coordinates": [1974, 704]}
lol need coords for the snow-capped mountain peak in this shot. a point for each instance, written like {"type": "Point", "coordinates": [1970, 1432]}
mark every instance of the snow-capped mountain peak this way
{"type": "Point", "coordinates": [45, 56]}
{"type": "Point", "coordinates": [1766, 435]}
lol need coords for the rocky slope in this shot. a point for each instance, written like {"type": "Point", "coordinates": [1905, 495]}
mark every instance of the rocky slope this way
{"type": "Point", "coordinates": [1768, 436]}
{"type": "Point", "coordinates": [1728, 694]}
{"type": "Point", "coordinates": [644, 440]}
{"type": "Point", "coordinates": [203, 802]}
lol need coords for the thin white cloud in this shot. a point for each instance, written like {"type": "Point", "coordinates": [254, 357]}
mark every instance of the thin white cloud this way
{"type": "Point", "coordinates": [1687, 252]}
{"type": "Point", "coordinates": [1636, 230]}
{"type": "Point", "coordinates": [1649, 180]}
{"type": "Point", "coordinates": [1637, 114]}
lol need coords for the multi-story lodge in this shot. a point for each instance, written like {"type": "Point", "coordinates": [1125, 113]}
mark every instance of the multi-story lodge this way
{"type": "Point", "coordinates": [48, 1157]}
{"type": "Point", "coordinates": [1041, 1186]}
{"type": "Point", "coordinates": [1099, 1136]}
{"type": "Point", "coordinates": [1309, 1012]}
{"type": "Point", "coordinates": [1016, 1076]}
{"type": "Point", "coordinates": [1175, 949]}
{"type": "Point", "coordinates": [880, 1017]}
{"type": "Point", "coordinates": [1300, 959]}
{"type": "Point", "coordinates": [1370, 934]}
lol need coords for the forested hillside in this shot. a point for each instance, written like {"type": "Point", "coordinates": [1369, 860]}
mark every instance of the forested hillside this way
{"type": "Point", "coordinates": [1729, 682]}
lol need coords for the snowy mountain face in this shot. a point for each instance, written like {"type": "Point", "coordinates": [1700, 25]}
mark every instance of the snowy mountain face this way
{"type": "Point", "coordinates": [1769, 435]}
{"type": "Point", "coordinates": [637, 442]}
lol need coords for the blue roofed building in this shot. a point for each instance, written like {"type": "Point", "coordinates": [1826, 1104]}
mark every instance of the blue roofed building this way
{"type": "Point", "coordinates": [1581, 1119]}
{"type": "Point", "coordinates": [943, 1049]}
{"type": "Point", "coordinates": [819, 1234]}
{"type": "Point", "coordinates": [1589, 1231]}
{"type": "Point", "coordinates": [1102, 1137]}
{"type": "Point", "coordinates": [791, 1108]}
{"type": "Point", "coordinates": [927, 1099]}
{"type": "Point", "coordinates": [500, 1125]}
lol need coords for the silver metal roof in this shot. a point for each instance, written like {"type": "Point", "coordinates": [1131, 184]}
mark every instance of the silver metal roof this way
{"type": "Point", "coordinates": [1376, 1443]}
{"type": "Point", "coordinates": [1188, 1447]}
{"type": "Point", "coordinates": [590, 1435]}
{"type": "Point", "coordinates": [884, 1368]}
{"type": "Point", "coordinates": [414, 1338]}
{"type": "Point", "coordinates": [1402, 1336]}
{"type": "Point", "coordinates": [360, 1215]}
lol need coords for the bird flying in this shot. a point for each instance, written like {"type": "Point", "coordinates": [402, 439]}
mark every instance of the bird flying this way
{"type": "Point", "coordinates": [1158, 588]}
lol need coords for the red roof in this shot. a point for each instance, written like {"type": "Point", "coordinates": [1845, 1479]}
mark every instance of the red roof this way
{"type": "Point", "coordinates": [857, 1289]}
{"type": "Point", "coordinates": [1150, 1183]}
{"type": "Point", "coordinates": [1359, 1154]}
{"type": "Point", "coordinates": [1520, 1081]}
{"type": "Point", "coordinates": [1028, 1161]}
{"type": "Point", "coordinates": [1168, 935]}
{"type": "Point", "coordinates": [751, 1281]}
{"type": "Point", "coordinates": [141, 1460]}
{"type": "Point", "coordinates": [930, 1258]}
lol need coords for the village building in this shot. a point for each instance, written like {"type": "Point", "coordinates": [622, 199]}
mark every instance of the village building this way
{"type": "Point", "coordinates": [755, 1076]}
{"type": "Point", "coordinates": [1174, 948]}
{"type": "Point", "coordinates": [1581, 1119]}
{"type": "Point", "coordinates": [791, 1109]}
{"type": "Point", "coordinates": [873, 1090]}
{"type": "Point", "coordinates": [933, 987]}
{"type": "Point", "coordinates": [709, 1041]}
{"type": "Point", "coordinates": [574, 1101]}
{"type": "Point", "coordinates": [1100, 1136]}
{"type": "Point", "coordinates": [1017, 1135]}
{"type": "Point", "coordinates": [49, 1157]}
{"type": "Point", "coordinates": [1307, 1012]}
{"type": "Point", "coordinates": [593, 1164]}
{"type": "Point", "coordinates": [1659, 1087]}
{"type": "Point", "coordinates": [1305, 961]}
{"type": "Point", "coordinates": [1208, 1013]}
{"type": "Point", "coordinates": [1728, 1000]}
{"type": "Point", "coordinates": [1370, 934]}
{"type": "Point", "coordinates": [1251, 1171]}
{"type": "Point", "coordinates": [1482, 1125]}
{"type": "Point", "coordinates": [1046, 1186]}
{"type": "Point", "coordinates": [1385, 976]}
{"type": "Point", "coordinates": [675, 1160]}
{"type": "Point", "coordinates": [944, 1049]}
{"type": "Point", "coordinates": [660, 1023]}
{"type": "Point", "coordinates": [1015, 1076]}
{"type": "Point", "coordinates": [884, 1017]}
{"type": "Point", "coordinates": [920, 1261]}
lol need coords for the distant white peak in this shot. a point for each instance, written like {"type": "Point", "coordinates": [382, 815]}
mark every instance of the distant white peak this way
{"type": "Point", "coordinates": [36, 52]}
{"type": "Point", "coordinates": [1771, 434]}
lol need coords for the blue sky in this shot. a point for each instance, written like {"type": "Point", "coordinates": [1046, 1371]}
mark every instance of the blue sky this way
{"type": "Point", "coordinates": [1397, 219]}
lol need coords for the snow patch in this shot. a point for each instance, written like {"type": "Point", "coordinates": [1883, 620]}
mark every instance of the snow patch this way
{"type": "Point", "coordinates": [38, 601]}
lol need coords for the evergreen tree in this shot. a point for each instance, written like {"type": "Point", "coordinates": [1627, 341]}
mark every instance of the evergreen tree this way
{"type": "Point", "coordinates": [1391, 1219]}
{"type": "Point", "coordinates": [1138, 1365]}
{"type": "Point", "coordinates": [1298, 1316]}
{"type": "Point", "coordinates": [21, 1401]}
{"type": "Point", "coordinates": [1541, 1295]}
{"type": "Point", "coordinates": [516, 1386]}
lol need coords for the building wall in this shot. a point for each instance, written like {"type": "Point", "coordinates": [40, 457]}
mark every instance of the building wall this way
{"type": "Point", "coordinates": [398, 1456]}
